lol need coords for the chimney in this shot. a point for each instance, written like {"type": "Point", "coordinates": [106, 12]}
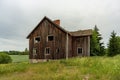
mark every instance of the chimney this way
{"type": "Point", "coordinates": [57, 22]}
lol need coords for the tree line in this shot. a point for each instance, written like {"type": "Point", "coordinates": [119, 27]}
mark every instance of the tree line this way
{"type": "Point", "coordinates": [12, 52]}
{"type": "Point", "coordinates": [97, 47]}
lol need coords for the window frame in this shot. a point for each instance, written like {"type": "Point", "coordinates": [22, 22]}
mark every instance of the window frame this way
{"type": "Point", "coordinates": [34, 52]}
{"type": "Point", "coordinates": [58, 50]}
{"type": "Point", "coordinates": [47, 49]}
{"type": "Point", "coordinates": [48, 38]}
{"type": "Point", "coordinates": [35, 41]}
{"type": "Point", "coordinates": [80, 51]}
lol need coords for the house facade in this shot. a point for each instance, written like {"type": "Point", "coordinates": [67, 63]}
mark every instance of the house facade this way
{"type": "Point", "coordinates": [48, 40]}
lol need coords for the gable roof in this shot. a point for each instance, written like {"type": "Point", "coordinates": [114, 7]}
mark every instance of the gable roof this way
{"type": "Point", "coordinates": [75, 33]}
{"type": "Point", "coordinates": [82, 33]}
{"type": "Point", "coordinates": [46, 18]}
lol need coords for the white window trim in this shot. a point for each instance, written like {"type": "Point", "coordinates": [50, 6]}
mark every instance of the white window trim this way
{"type": "Point", "coordinates": [57, 50]}
{"type": "Point", "coordinates": [35, 38]}
{"type": "Point", "coordinates": [50, 35]}
{"type": "Point", "coordinates": [34, 54]}
{"type": "Point", "coordinates": [49, 51]}
{"type": "Point", "coordinates": [77, 50]}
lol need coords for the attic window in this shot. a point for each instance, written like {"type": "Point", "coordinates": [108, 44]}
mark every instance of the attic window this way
{"type": "Point", "coordinates": [50, 38]}
{"type": "Point", "coordinates": [37, 39]}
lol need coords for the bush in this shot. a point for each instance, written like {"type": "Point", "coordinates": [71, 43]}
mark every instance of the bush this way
{"type": "Point", "coordinates": [5, 58]}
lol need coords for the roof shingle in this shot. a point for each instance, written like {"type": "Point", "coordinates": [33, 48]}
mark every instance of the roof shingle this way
{"type": "Point", "coordinates": [82, 33]}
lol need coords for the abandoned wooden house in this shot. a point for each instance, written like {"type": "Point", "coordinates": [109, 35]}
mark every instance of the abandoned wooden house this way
{"type": "Point", "coordinates": [49, 40]}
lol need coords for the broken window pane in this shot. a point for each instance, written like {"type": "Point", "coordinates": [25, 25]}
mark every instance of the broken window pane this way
{"type": "Point", "coordinates": [57, 50]}
{"type": "Point", "coordinates": [79, 51]}
{"type": "Point", "coordinates": [47, 50]}
{"type": "Point", "coordinates": [50, 38]}
{"type": "Point", "coordinates": [37, 39]}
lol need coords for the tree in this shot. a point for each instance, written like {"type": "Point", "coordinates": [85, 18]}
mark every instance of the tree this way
{"type": "Point", "coordinates": [97, 47]}
{"type": "Point", "coordinates": [118, 40]}
{"type": "Point", "coordinates": [26, 52]}
{"type": "Point", "coordinates": [102, 49]}
{"type": "Point", "coordinates": [5, 58]}
{"type": "Point", "coordinates": [113, 45]}
{"type": "Point", "coordinates": [94, 44]}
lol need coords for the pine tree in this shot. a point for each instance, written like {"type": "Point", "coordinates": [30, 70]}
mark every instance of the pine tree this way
{"type": "Point", "coordinates": [97, 47]}
{"type": "Point", "coordinates": [94, 44]}
{"type": "Point", "coordinates": [26, 52]}
{"type": "Point", "coordinates": [118, 41]}
{"type": "Point", "coordinates": [114, 45]}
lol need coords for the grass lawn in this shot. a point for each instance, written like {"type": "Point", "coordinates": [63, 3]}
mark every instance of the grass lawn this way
{"type": "Point", "coordinates": [19, 58]}
{"type": "Point", "coordinates": [86, 68]}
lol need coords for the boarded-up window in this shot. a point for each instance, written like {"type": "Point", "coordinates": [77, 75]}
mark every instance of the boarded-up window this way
{"type": "Point", "coordinates": [47, 50]}
{"type": "Point", "coordinates": [37, 39]}
{"type": "Point", "coordinates": [50, 38]}
{"type": "Point", "coordinates": [79, 50]}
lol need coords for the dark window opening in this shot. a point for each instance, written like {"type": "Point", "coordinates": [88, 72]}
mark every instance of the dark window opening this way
{"type": "Point", "coordinates": [57, 50]}
{"type": "Point", "coordinates": [37, 39]}
{"type": "Point", "coordinates": [79, 50]}
{"type": "Point", "coordinates": [50, 38]}
{"type": "Point", "coordinates": [47, 50]}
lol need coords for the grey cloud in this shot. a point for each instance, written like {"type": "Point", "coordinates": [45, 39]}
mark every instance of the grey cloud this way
{"type": "Point", "coordinates": [19, 17]}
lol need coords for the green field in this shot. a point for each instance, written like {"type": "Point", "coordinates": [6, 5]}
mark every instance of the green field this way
{"type": "Point", "coordinates": [91, 68]}
{"type": "Point", "coordinates": [19, 58]}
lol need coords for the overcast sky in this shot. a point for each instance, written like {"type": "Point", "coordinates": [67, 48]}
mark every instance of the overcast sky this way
{"type": "Point", "coordinates": [19, 17]}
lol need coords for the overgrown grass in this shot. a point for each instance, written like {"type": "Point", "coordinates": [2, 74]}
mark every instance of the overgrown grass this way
{"type": "Point", "coordinates": [93, 68]}
{"type": "Point", "coordinates": [13, 67]}
{"type": "Point", "coordinates": [19, 58]}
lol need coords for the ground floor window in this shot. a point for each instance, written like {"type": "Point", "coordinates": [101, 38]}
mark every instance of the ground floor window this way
{"type": "Point", "coordinates": [34, 52]}
{"type": "Point", "coordinates": [47, 50]}
{"type": "Point", "coordinates": [79, 50]}
{"type": "Point", "coordinates": [57, 50]}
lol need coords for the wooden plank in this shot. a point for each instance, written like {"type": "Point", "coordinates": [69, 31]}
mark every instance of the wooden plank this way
{"type": "Point", "coordinates": [67, 46]}
{"type": "Point", "coordinates": [88, 45]}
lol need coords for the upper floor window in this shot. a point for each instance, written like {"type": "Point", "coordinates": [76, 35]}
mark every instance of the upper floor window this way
{"type": "Point", "coordinates": [50, 38]}
{"type": "Point", "coordinates": [37, 39]}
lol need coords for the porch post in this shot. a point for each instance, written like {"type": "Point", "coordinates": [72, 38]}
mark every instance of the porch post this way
{"type": "Point", "coordinates": [67, 46]}
{"type": "Point", "coordinates": [88, 45]}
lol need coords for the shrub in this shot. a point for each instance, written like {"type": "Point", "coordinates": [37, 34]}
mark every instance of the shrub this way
{"type": "Point", "coordinates": [5, 58]}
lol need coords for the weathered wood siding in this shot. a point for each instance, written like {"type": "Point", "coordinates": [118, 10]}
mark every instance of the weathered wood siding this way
{"type": "Point", "coordinates": [81, 42]}
{"type": "Point", "coordinates": [45, 29]}
{"type": "Point", "coordinates": [70, 46]}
